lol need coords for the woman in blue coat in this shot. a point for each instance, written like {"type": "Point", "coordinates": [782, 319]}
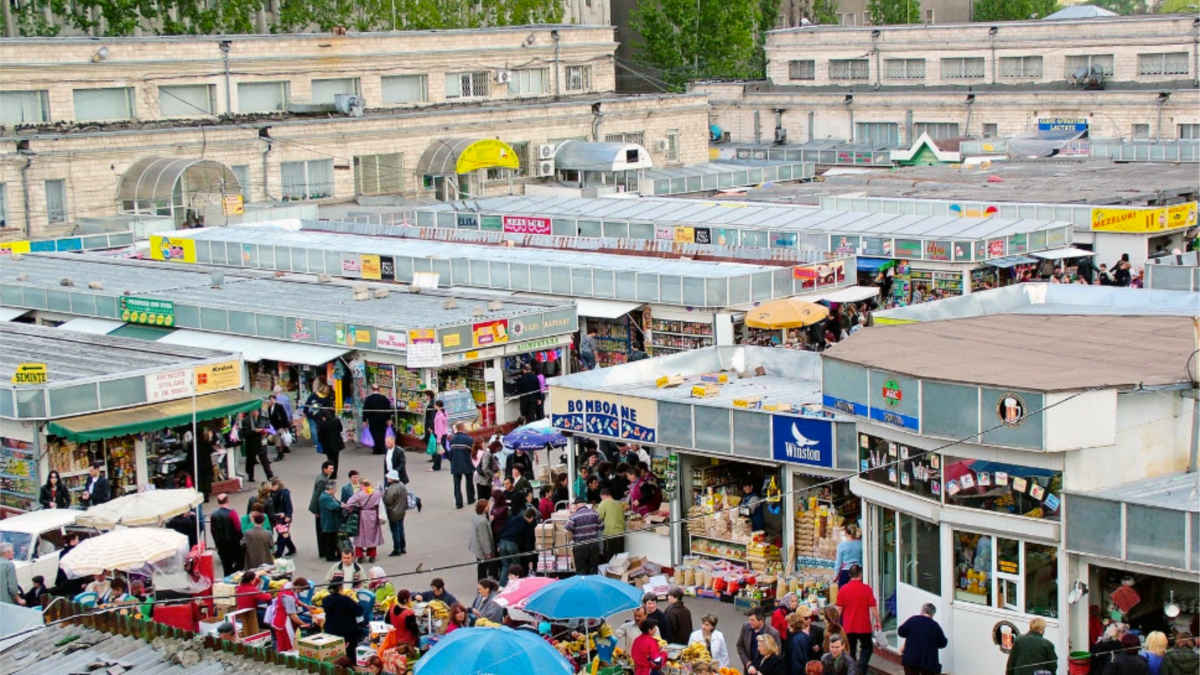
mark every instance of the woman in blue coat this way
{"type": "Point", "coordinates": [331, 521]}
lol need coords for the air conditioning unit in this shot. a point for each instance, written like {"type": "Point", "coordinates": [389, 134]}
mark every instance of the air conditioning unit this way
{"type": "Point", "coordinates": [504, 77]}
{"type": "Point", "coordinates": [545, 152]}
{"type": "Point", "coordinates": [662, 145]}
{"type": "Point", "coordinates": [545, 168]}
{"type": "Point", "coordinates": [780, 135]}
{"type": "Point", "coordinates": [349, 104]}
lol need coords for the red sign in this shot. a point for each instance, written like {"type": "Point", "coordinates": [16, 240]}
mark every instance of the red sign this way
{"type": "Point", "coordinates": [995, 248]}
{"type": "Point", "coordinates": [891, 392]}
{"type": "Point", "coordinates": [526, 225]}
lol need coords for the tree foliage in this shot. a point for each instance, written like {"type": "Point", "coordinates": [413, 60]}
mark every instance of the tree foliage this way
{"type": "Point", "coordinates": [1178, 7]}
{"type": "Point", "coordinates": [893, 12]}
{"type": "Point", "coordinates": [1123, 7]}
{"type": "Point", "coordinates": [711, 39]}
{"type": "Point", "coordinates": [1012, 10]}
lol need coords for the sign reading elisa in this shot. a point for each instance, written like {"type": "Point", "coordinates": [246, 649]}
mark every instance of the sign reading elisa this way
{"type": "Point", "coordinates": [891, 392]}
{"type": "Point", "coordinates": [526, 225]}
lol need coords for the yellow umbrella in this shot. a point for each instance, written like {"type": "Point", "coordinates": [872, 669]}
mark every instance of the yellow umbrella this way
{"type": "Point", "coordinates": [786, 313]}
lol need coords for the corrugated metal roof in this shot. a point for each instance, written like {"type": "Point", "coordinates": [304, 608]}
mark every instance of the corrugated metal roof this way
{"type": "Point", "coordinates": [788, 217]}
{"type": "Point", "coordinates": [1066, 299]}
{"type": "Point", "coordinates": [1179, 492]}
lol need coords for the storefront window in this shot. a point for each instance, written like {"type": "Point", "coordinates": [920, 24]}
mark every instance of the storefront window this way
{"type": "Point", "coordinates": [973, 567]}
{"type": "Point", "coordinates": [920, 550]}
{"type": "Point", "coordinates": [1003, 488]}
{"type": "Point", "coordinates": [900, 466]}
{"type": "Point", "coordinates": [1025, 574]}
{"type": "Point", "coordinates": [1041, 580]}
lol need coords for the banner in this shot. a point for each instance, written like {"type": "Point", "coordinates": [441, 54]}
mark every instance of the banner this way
{"type": "Point", "coordinates": [489, 333]}
{"type": "Point", "coordinates": [621, 417]}
{"type": "Point", "coordinates": [169, 386]}
{"type": "Point", "coordinates": [639, 420]}
{"type": "Point", "coordinates": [371, 267]}
{"type": "Point", "coordinates": [218, 376]}
{"type": "Point", "coordinates": [685, 235]}
{"type": "Point", "coordinates": [1138, 220]}
{"type": "Point", "coordinates": [802, 440]}
{"type": "Point", "coordinates": [172, 249]}
{"type": "Point", "coordinates": [424, 350]}
{"type": "Point", "coordinates": [11, 247]}
{"type": "Point", "coordinates": [526, 225]}
{"type": "Point", "coordinates": [148, 311]}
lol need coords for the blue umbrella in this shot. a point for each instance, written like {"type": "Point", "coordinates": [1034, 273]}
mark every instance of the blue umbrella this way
{"type": "Point", "coordinates": [484, 651]}
{"type": "Point", "coordinates": [583, 597]}
{"type": "Point", "coordinates": [534, 436]}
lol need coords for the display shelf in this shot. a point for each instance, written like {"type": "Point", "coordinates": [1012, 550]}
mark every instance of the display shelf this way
{"type": "Point", "coordinates": [687, 335]}
{"type": "Point", "coordinates": [709, 537]}
{"type": "Point", "coordinates": [715, 486]}
{"type": "Point", "coordinates": [686, 328]}
{"type": "Point", "coordinates": [737, 555]}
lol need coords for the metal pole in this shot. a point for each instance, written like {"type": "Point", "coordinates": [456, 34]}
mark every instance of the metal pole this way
{"type": "Point", "coordinates": [1194, 457]}
{"type": "Point", "coordinates": [196, 467]}
{"type": "Point", "coordinates": [696, 49]}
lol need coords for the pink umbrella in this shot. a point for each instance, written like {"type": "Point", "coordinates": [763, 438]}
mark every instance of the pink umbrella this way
{"type": "Point", "coordinates": [514, 595]}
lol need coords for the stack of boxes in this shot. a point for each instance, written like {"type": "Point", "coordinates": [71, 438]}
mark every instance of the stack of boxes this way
{"type": "Point", "coordinates": [551, 539]}
{"type": "Point", "coordinates": [761, 554]}
{"type": "Point", "coordinates": [321, 647]}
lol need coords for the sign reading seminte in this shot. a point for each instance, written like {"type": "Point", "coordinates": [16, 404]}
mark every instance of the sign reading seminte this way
{"type": "Point", "coordinates": [30, 373]}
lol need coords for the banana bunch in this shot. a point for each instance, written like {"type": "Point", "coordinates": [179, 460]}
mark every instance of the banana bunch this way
{"type": "Point", "coordinates": [277, 584]}
{"type": "Point", "coordinates": [439, 610]}
{"type": "Point", "coordinates": [319, 596]}
{"type": "Point", "coordinates": [484, 623]}
{"type": "Point", "coordinates": [695, 652]}
{"type": "Point", "coordinates": [605, 630]}
{"type": "Point", "coordinates": [662, 644]}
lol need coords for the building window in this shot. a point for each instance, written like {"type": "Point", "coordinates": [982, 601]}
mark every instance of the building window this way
{"type": "Point", "coordinates": [920, 553]}
{"type": "Point", "coordinates": [866, 19]}
{"type": "Point", "coordinates": [936, 130]}
{"type": "Point", "coordinates": [973, 566]}
{"type": "Point", "coordinates": [1081, 64]}
{"type": "Point", "coordinates": [406, 89]}
{"type": "Point", "coordinates": [904, 69]}
{"type": "Point", "coordinates": [56, 201]}
{"type": "Point", "coordinates": [467, 85]}
{"type": "Point", "coordinates": [1188, 132]}
{"type": "Point", "coordinates": [521, 150]}
{"type": "Point", "coordinates": [1041, 579]}
{"type": "Point", "coordinates": [3, 205]}
{"type": "Point", "coordinates": [802, 70]}
{"type": "Point", "coordinates": [261, 97]}
{"type": "Point", "coordinates": [24, 107]}
{"type": "Point", "coordinates": [635, 137]}
{"type": "Point", "coordinates": [929, 16]}
{"type": "Point", "coordinates": [1141, 132]}
{"type": "Point", "coordinates": [379, 174]}
{"type": "Point", "coordinates": [579, 78]}
{"type": "Point", "coordinates": [98, 105]}
{"type": "Point", "coordinates": [1024, 575]}
{"type": "Point", "coordinates": [242, 173]}
{"type": "Point", "coordinates": [529, 81]}
{"type": "Point", "coordinates": [192, 100]}
{"type": "Point", "coordinates": [1021, 66]}
{"type": "Point", "coordinates": [307, 180]}
{"type": "Point", "coordinates": [962, 68]}
{"type": "Point", "coordinates": [672, 145]}
{"type": "Point", "coordinates": [877, 134]}
{"type": "Point", "coordinates": [324, 91]}
{"type": "Point", "coordinates": [1004, 488]}
{"type": "Point", "coordinates": [990, 130]}
{"type": "Point", "coordinates": [849, 69]}
{"type": "Point", "coordinates": [1174, 63]}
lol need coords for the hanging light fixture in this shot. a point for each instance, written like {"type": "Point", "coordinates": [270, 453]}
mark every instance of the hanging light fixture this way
{"type": "Point", "coordinates": [1170, 608]}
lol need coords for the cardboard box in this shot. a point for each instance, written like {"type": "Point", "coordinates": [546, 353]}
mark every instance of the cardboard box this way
{"type": "Point", "coordinates": [668, 381]}
{"type": "Point", "coordinates": [263, 639]}
{"type": "Point", "coordinates": [561, 538]}
{"type": "Point", "coordinates": [363, 654]}
{"type": "Point", "coordinates": [224, 594]}
{"type": "Point", "coordinates": [543, 536]}
{"type": "Point", "coordinates": [715, 378]}
{"type": "Point", "coordinates": [246, 620]}
{"type": "Point", "coordinates": [706, 390]}
{"type": "Point", "coordinates": [321, 647]}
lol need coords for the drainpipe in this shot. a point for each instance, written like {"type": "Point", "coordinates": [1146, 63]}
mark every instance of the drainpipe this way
{"type": "Point", "coordinates": [597, 119]}
{"type": "Point", "coordinates": [1162, 100]}
{"type": "Point", "coordinates": [264, 135]}
{"type": "Point", "coordinates": [1196, 49]}
{"type": "Point", "coordinates": [970, 110]}
{"type": "Point", "coordinates": [1194, 457]}
{"type": "Point", "coordinates": [25, 194]}
{"type": "Point", "coordinates": [556, 37]}
{"type": "Point", "coordinates": [875, 48]}
{"type": "Point", "coordinates": [228, 91]}
{"type": "Point", "coordinates": [757, 129]}
{"type": "Point", "coordinates": [992, 46]}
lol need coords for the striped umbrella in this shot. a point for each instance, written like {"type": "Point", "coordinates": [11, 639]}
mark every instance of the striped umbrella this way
{"type": "Point", "coordinates": [141, 508]}
{"type": "Point", "coordinates": [128, 550]}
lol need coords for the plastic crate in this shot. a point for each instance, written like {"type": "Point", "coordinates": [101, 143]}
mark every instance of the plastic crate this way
{"type": "Point", "coordinates": [745, 604]}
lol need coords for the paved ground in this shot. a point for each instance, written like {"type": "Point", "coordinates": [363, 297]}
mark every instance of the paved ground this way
{"type": "Point", "coordinates": [437, 537]}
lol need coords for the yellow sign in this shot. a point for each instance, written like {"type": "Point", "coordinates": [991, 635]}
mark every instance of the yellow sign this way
{"type": "Point", "coordinates": [639, 420]}
{"type": "Point", "coordinates": [218, 377]}
{"type": "Point", "coordinates": [30, 373]}
{"type": "Point", "coordinates": [362, 336]}
{"type": "Point", "coordinates": [1144, 219]}
{"type": "Point", "coordinates": [233, 205]}
{"type": "Point", "coordinates": [685, 235]}
{"type": "Point", "coordinates": [451, 340]}
{"type": "Point", "coordinates": [488, 153]}
{"type": "Point", "coordinates": [11, 247]}
{"type": "Point", "coordinates": [371, 268]}
{"type": "Point", "coordinates": [337, 396]}
{"type": "Point", "coordinates": [419, 335]}
{"type": "Point", "coordinates": [172, 249]}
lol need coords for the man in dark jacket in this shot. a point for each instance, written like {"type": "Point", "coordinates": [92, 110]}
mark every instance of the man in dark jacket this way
{"type": "Point", "coordinates": [1032, 652]}
{"type": "Point", "coordinates": [515, 538]}
{"type": "Point", "coordinates": [530, 391]}
{"type": "Point", "coordinates": [281, 422]}
{"type": "Point", "coordinates": [341, 618]}
{"type": "Point", "coordinates": [394, 459]}
{"type": "Point", "coordinates": [377, 412]}
{"type": "Point", "coordinates": [1128, 661]}
{"type": "Point", "coordinates": [329, 432]}
{"type": "Point", "coordinates": [253, 431]}
{"type": "Point", "coordinates": [678, 628]}
{"type": "Point", "coordinates": [923, 637]}
{"type": "Point", "coordinates": [227, 535]}
{"type": "Point", "coordinates": [747, 644]}
{"type": "Point", "coordinates": [1182, 660]}
{"type": "Point", "coordinates": [461, 466]}
{"type": "Point", "coordinates": [96, 490]}
{"type": "Point", "coordinates": [314, 504]}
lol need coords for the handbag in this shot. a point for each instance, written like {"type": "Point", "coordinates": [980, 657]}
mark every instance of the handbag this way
{"type": "Point", "coordinates": [412, 499]}
{"type": "Point", "coordinates": [366, 439]}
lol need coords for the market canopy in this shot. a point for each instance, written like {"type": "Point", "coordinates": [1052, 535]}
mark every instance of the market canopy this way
{"type": "Point", "coordinates": [1060, 253]}
{"type": "Point", "coordinates": [256, 349]}
{"type": "Point", "coordinates": [452, 156]}
{"type": "Point", "coordinates": [1011, 261]}
{"type": "Point", "coordinates": [154, 179]}
{"type": "Point", "coordinates": [146, 418]}
{"type": "Point", "coordinates": [786, 313]}
{"type": "Point", "coordinates": [587, 156]}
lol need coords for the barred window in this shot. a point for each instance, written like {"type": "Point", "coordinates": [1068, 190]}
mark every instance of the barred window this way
{"type": "Point", "coordinates": [877, 134]}
{"type": "Point", "coordinates": [521, 150]}
{"type": "Point", "coordinates": [936, 130]}
{"type": "Point", "coordinates": [1174, 63]}
{"type": "Point", "coordinates": [635, 137]}
{"type": "Point", "coordinates": [962, 68]}
{"type": "Point", "coordinates": [467, 85]}
{"type": "Point", "coordinates": [56, 201]}
{"type": "Point", "coordinates": [1021, 66]}
{"type": "Point", "coordinates": [379, 174]}
{"type": "Point", "coordinates": [849, 69]}
{"type": "Point", "coordinates": [904, 69]}
{"type": "Point", "coordinates": [672, 145]}
{"type": "Point", "coordinates": [579, 78]}
{"type": "Point", "coordinates": [802, 70]}
{"type": "Point", "coordinates": [1077, 62]}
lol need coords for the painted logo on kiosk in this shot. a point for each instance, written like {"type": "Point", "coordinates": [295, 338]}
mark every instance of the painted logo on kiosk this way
{"type": "Point", "coordinates": [892, 395]}
{"type": "Point", "coordinates": [802, 440]}
{"type": "Point", "coordinates": [1011, 409]}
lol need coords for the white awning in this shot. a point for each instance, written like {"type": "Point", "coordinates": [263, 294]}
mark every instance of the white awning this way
{"type": "Point", "coordinates": [256, 349]}
{"type": "Point", "coordinates": [1060, 253]}
{"type": "Point", "coordinates": [92, 325]}
{"type": "Point", "coordinates": [845, 294]}
{"type": "Point", "coordinates": [604, 309]}
{"type": "Point", "coordinates": [11, 313]}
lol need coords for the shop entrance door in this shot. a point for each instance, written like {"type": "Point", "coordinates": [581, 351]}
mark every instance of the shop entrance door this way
{"type": "Point", "coordinates": [883, 542]}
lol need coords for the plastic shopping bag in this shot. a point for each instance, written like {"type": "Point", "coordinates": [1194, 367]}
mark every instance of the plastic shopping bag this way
{"type": "Point", "coordinates": [391, 433]}
{"type": "Point", "coordinates": [366, 439]}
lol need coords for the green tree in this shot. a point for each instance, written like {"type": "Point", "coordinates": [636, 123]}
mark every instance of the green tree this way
{"type": "Point", "coordinates": [1012, 10]}
{"type": "Point", "coordinates": [824, 12]}
{"type": "Point", "coordinates": [1123, 7]}
{"type": "Point", "coordinates": [1179, 6]}
{"type": "Point", "coordinates": [892, 12]}
{"type": "Point", "coordinates": [686, 40]}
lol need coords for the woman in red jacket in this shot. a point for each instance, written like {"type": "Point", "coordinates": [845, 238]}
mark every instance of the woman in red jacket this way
{"type": "Point", "coordinates": [648, 659]}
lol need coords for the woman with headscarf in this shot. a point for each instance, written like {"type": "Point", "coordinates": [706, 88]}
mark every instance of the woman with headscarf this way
{"type": "Point", "coordinates": [367, 501]}
{"type": "Point", "coordinates": [380, 585]}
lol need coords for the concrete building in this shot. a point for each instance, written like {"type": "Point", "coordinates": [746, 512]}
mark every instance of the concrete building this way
{"type": "Point", "coordinates": [1112, 77]}
{"type": "Point", "coordinates": [857, 12]}
{"type": "Point", "coordinates": [263, 117]}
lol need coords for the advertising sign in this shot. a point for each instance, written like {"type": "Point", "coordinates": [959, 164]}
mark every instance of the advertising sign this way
{"type": "Point", "coordinates": [148, 311]}
{"type": "Point", "coordinates": [703, 235]}
{"type": "Point", "coordinates": [937, 250]}
{"type": "Point", "coordinates": [30, 373]}
{"type": "Point", "coordinates": [995, 248]}
{"type": "Point", "coordinates": [172, 249]}
{"type": "Point", "coordinates": [894, 400]}
{"type": "Point", "coordinates": [802, 440]}
{"type": "Point", "coordinates": [233, 205]}
{"type": "Point", "coordinates": [371, 267]}
{"type": "Point", "coordinates": [487, 153]}
{"type": "Point", "coordinates": [489, 333]}
{"type": "Point", "coordinates": [386, 339]}
{"type": "Point", "coordinates": [1181, 215]}
{"type": "Point", "coordinates": [492, 224]}
{"type": "Point", "coordinates": [387, 268]}
{"type": "Point", "coordinates": [301, 331]}
{"type": "Point", "coordinates": [1072, 124]}
{"type": "Point", "coordinates": [639, 420]}
{"type": "Point", "coordinates": [11, 247]}
{"type": "Point", "coordinates": [875, 246]}
{"type": "Point", "coordinates": [908, 248]}
{"type": "Point", "coordinates": [1143, 219]}
{"type": "Point", "coordinates": [526, 225]}
{"type": "Point", "coordinates": [664, 233]}
{"type": "Point", "coordinates": [623, 417]}
{"type": "Point", "coordinates": [218, 376]}
{"type": "Point", "coordinates": [685, 235]}
{"type": "Point", "coordinates": [467, 221]}
{"type": "Point", "coordinates": [424, 350]}
{"type": "Point", "coordinates": [351, 265]}
{"type": "Point", "coordinates": [168, 386]}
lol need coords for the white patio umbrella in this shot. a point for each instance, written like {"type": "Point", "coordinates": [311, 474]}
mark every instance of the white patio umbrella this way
{"type": "Point", "coordinates": [129, 549]}
{"type": "Point", "coordinates": [141, 508]}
